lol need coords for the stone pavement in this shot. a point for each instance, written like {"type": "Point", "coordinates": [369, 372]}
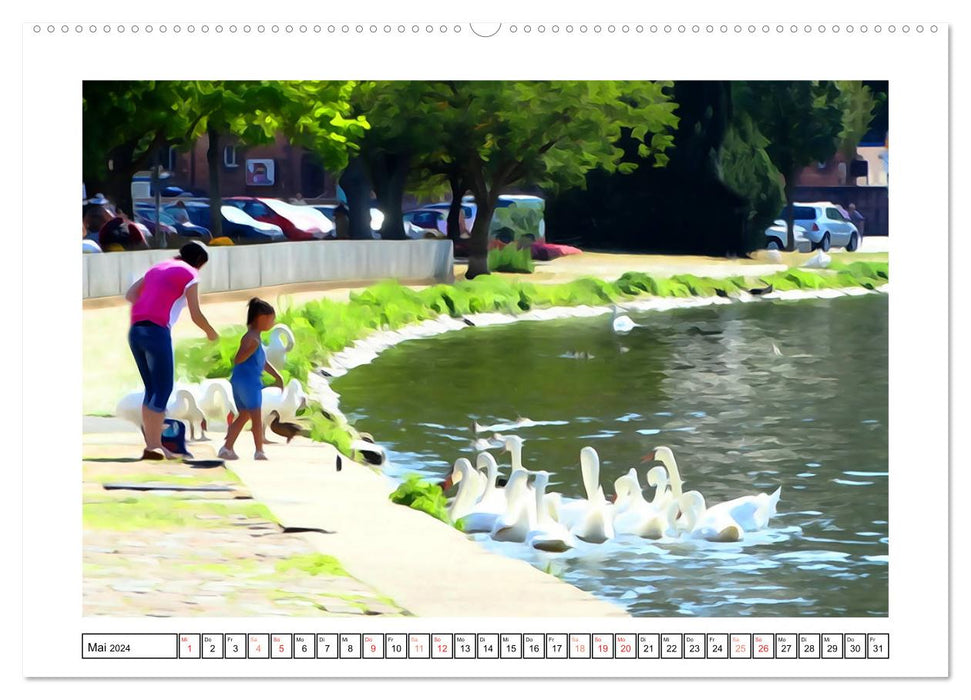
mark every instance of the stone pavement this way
{"type": "Point", "coordinates": [198, 553]}
{"type": "Point", "coordinates": [236, 553]}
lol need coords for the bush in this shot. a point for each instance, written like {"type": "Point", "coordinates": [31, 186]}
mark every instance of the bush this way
{"type": "Point", "coordinates": [422, 495]}
{"type": "Point", "coordinates": [511, 258]}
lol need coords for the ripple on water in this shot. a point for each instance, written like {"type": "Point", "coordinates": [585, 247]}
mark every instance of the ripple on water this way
{"type": "Point", "coordinates": [847, 482]}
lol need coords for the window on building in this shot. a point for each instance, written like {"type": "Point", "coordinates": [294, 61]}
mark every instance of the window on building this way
{"type": "Point", "coordinates": [229, 156]}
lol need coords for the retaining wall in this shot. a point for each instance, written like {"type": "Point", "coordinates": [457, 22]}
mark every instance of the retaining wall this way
{"type": "Point", "coordinates": [246, 267]}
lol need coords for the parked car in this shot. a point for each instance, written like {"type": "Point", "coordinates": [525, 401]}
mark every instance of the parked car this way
{"type": "Point", "coordinates": [171, 224]}
{"type": "Point", "coordinates": [419, 222]}
{"type": "Point", "coordinates": [777, 235]}
{"type": "Point", "coordinates": [377, 216]}
{"type": "Point", "coordinates": [468, 211]}
{"type": "Point", "coordinates": [825, 226]}
{"type": "Point", "coordinates": [298, 223]}
{"type": "Point", "coordinates": [237, 224]}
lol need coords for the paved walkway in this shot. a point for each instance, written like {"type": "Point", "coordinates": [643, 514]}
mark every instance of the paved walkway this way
{"type": "Point", "coordinates": [392, 559]}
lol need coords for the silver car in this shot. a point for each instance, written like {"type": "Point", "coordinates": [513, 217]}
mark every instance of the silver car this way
{"type": "Point", "coordinates": [825, 225]}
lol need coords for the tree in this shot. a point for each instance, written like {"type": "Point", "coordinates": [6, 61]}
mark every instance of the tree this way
{"type": "Point", "coordinates": [747, 169]}
{"type": "Point", "coordinates": [124, 124]}
{"type": "Point", "coordinates": [551, 134]}
{"type": "Point", "coordinates": [801, 120]}
{"type": "Point", "coordinates": [859, 108]}
{"type": "Point", "coordinates": [309, 113]}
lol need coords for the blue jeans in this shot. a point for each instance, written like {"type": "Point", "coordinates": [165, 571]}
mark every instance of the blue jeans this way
{"type": "Point", "coordinates": [151, 346]}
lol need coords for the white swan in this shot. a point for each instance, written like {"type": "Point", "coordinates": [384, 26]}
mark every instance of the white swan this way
{"type": "Point", "coordinates": [513, 444]}
{"type": "Point", "coordinates": [666, 457]}
{"type": "Point", "coordinates": [596, 524]}
{"type": "Point", "coordinates": [281, 342]}
{"type": "Point", "coordinates": [547, 535]}
{"type": "Point", "coordinates": [633, 515]}
{"type": "Point", "coordinates": [492, 503]}
{"type": "Point", "coordinates": [712, 524]}
{"type": "Point", "coordinates": [215, 399]}
{"type": "Point", "coordinates": [622, 323]}
{"type": "Point", "coordinates": [520, 515]}
{"type": "Point", "coordinates": [465, 499]}
{"type": "Point", "coordinates": [181, 406]}
{"type": "Point", "coordinates": [752, 512]}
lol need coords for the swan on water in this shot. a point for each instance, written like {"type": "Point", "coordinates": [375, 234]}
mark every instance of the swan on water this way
{"type": "Point", "coordinates": [466, 477]}
{"type": "Point", "coordinates": [520, 515]}
{"type": "Point", "coordinates": [752, 512]}
{"type": "Point", "coordinates": [596, 523]}
{"type": "Point", "coordinates": [665, 456]}
{"type": "Point", "coordinates": [712, 524]}
{"type": "Point", "coordinates": [547, 535]}
{"type": "Point", "coordinates": [621, 322]}
{"type": "Point", "coordinates": [281, 342]}
{"type": "Point", "coordinates": [491, 503]}
{"type": "Point", "coordinates": [633, 515]}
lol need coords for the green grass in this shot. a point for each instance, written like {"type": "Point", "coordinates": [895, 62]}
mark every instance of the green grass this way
{"type": "Point", "coordinates": [511, 258]}
{"type": "Point", "coordinates": [325, 326]}
{"type": "Point", "coordinates": [313, 564]}
{"type": "Point", "coordinates": [163, 513]}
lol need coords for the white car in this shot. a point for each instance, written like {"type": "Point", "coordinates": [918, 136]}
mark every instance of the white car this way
{"type": "Point", "coordinates": [777, 235]}
{"type": "Point", "coordinates": [825, 225]}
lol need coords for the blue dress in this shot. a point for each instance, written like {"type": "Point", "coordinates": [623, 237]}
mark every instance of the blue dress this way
{"type": "Point", "coordinates": [247, 381]}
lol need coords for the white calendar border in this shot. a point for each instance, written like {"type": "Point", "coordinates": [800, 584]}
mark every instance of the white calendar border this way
{"type": "Point", "coordinates": [918, 115]}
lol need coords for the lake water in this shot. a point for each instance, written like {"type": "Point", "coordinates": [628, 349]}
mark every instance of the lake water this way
{"type": "Point", "coordinates": [748, 396]}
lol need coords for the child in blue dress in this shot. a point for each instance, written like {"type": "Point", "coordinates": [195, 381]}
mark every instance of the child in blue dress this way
{"type": "Point", "coordinates": [247, 378]}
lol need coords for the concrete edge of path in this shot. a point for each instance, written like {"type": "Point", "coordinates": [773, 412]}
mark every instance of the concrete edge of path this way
{"type": "Point", "coordinates": [427, 567]}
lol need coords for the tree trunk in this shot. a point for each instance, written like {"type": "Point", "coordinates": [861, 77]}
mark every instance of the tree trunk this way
{"type": "Point", "coordinates": [355, 184]}
{"type": "Point", "coordinates": [215, 198]}
{"type": "Point", "coordinates": [454, 222]}
{"type": "Point", "coordinates": [479, 241]}
{"type": "Point", "coordinates": [390, 175]}
{"type": "Point", "coordinates": [791, 242]}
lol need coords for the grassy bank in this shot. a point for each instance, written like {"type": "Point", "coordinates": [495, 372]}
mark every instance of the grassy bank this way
{"type": "Point", "coordinates": [324, 327]}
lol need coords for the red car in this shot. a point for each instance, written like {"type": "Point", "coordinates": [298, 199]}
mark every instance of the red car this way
{"type": "Point", "coordinates": [297, 223]}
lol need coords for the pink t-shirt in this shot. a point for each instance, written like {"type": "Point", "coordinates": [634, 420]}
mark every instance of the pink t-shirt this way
{"type": "Point", "coordinates": [163, 292]}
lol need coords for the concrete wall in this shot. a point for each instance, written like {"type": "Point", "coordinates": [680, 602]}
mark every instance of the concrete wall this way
{"type": "Point", "coordinates": [246, 267]}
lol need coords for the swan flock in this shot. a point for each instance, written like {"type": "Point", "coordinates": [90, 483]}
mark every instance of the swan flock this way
{"type": "Point", "coordinates": [523, 511]}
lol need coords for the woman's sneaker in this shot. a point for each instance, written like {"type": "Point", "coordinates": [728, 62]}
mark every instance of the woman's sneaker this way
{"type": "Point", "coordinates": [260, 456]}
{"type": "Point", "coordinates": [226, 453]}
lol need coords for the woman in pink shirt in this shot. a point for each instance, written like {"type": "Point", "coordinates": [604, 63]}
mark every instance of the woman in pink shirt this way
{"type": "Point", "coordinates": [157, 299]}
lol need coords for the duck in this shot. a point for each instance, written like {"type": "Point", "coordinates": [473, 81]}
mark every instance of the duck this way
{"type": "Point", "coordinates": [621, 322]}
{"type": "Point", "coordinates": [547, 534]}
{"type": "Point", "coordinates": [286, 402]}
{"type": "Point", "coordinates": [181, 406]}
{"type": "Point", "coordinates": [520, 515]}
{"type": "Point", "coordinates": [287, 430]}
{"type": "Point", "coordinates": [596, 522]}
{"type": "Point", "coordinates": [281, 342]}
{"type": "Point", "coordinates": [633, 514]}
{"type": "Point", "coordinates": [513, 444]}
{"type": "Point", "coordinates": [711, 524]}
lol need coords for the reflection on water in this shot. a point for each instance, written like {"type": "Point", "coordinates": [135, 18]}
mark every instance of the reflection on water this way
{"type": "Point", "coordinates": [749, 397]}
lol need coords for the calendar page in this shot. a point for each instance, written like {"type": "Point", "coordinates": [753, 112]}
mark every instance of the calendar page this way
{"type": "Point", "coordinates": [413, 345]}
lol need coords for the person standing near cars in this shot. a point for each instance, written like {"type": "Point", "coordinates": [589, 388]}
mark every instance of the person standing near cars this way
{"type": "Point", "coordinates": [856, 218]}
